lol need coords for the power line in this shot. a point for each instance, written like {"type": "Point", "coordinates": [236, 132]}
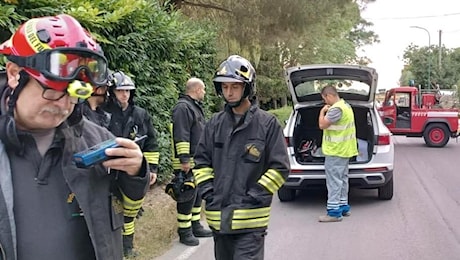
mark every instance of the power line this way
{"type": "Point", "coordinates": [412, 17]}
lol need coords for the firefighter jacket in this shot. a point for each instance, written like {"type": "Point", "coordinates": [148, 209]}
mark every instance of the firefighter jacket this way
{"type": "Point", "coordinates": [187, 126]}
{"type": "Point", "coordinates": [100, 195]}
{"type": "Point", "coordinates": [238, 169]}
{"type": "Point", "coordinates": [98, 116]}
{"type": "Point", "coordinates": [135, 122]}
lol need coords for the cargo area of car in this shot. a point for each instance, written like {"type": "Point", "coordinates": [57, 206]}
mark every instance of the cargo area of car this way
{"type": "Point", "coordinates": [307, 137]}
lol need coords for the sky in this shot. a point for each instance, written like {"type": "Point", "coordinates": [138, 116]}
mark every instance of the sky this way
{"type": "Point", "coordinates": [392, 22]}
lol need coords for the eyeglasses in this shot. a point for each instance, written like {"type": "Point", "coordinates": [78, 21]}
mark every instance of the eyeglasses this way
{"type": "Point", "coordinates": [76, 91]}
{"type": "Point", "coordinates": [66, 64]}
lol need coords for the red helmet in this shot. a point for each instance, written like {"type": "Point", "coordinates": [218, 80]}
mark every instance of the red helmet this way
{"type": "Point", "coordinates": [56, 50]}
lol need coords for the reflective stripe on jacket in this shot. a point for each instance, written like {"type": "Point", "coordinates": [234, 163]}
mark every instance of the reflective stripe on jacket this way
{"type": "Point", "coordinates": [187, 125]}
{"type": "Point", "coordinates": [339, 139]}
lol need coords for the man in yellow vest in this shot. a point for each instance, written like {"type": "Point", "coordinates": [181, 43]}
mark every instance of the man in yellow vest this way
{"type": "Point", "coordinates": [336, 119]}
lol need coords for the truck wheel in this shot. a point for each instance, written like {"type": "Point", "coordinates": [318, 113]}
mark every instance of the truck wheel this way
{"type": "Point", "coordinates": [386, 192]}
{"type": "Point", "coordinates": [436, 135]}
{"type": "Point", "coordinates": [286, 194]}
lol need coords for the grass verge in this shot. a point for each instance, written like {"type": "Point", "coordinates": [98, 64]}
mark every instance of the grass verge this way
{"type": "Point", "coordinates": [282, 114]}
{"type": "Point", "coordinates": [156, 229]}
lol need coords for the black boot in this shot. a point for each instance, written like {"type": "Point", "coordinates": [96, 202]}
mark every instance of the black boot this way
{"type": "Point", "coordinates": [128, 251]}
{"type": "Point", "coordinates": [186, 237]}
{"type": "Point", "coordinates": [199, 231]}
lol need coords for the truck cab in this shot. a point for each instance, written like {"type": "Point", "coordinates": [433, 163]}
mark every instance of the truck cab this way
{"type": "Point", "coordinates": [407, 111]}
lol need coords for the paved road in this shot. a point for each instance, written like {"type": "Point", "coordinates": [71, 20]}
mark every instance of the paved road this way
{"type": "Point", "coordinates": [422, 221]}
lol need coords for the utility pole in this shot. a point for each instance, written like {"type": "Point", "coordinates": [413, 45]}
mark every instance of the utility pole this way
{"type": "Point", "coordinates": [440, 56]}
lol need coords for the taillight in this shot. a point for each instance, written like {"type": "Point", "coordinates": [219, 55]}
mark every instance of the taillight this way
{"type": "Point", "coordinates": [287, 139]}
{"type": "Point", "coordinates": [383, 139]}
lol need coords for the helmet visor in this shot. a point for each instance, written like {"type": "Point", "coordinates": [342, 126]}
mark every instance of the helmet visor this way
{"type": "Point", "coordinates": [67, 64]}
{"type": "Point", "coordinates": [226, 79]}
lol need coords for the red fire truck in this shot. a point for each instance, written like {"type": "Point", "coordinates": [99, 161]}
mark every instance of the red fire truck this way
{"type": "Point", "coordinates": [407, 111]}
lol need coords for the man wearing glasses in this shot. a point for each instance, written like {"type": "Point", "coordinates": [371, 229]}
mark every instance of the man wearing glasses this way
{"type": "Point", "coordinates": [50, 208]}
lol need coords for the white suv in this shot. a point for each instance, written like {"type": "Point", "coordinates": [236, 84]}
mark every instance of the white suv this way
{"type": "Point", "coordinates": [373, 167]}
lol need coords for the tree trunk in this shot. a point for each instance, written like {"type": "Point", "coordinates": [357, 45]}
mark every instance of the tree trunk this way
{"type": "Point", "coordinates": [283, 101]}
{"type": "Point", "coordinates": [274, 104]}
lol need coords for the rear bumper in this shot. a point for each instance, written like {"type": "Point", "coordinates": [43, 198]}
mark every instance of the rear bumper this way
{"type": "Point", "coordinates": [356, 178]}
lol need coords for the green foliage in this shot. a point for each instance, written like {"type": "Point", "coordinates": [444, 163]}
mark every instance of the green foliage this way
{"type": "Point", "coordinates": [163, 43]}
{"type": "Point", "coordinates": [274, 36]}
{"type": "Point", "coordinates": [423, 62]}
{"type": "Point", "coordinates": [282, 114]}
{"type": "Point", "coordinates": [159, 50]}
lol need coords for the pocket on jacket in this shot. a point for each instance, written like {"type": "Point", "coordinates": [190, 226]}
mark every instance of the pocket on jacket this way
{"type": "Point", "coordinates": [244, 201]}
{"type": "Point", "coordinates": [213, 202]}
{"type": "Point", "coordinates": [253, 151]}
{"type": "Point", "coordinates": [116, 210]}
{"type": "Point", "coordinates": [265, 199]}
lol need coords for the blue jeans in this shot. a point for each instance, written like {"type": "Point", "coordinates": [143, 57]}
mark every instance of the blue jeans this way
{"type": "Point", "coordinates": [337, 184]}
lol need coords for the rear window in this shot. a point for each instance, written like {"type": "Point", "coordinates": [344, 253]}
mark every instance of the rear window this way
{"type": "Point", "coordinates": [348, 89]}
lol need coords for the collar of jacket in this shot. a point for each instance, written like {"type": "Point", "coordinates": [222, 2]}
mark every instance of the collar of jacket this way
{"type": "Point", "coordinates": [245, 118]}
{"type": "Point", "coordinates": [189, 98]}
{"type": "Point", "coordinates": [6, 187]}
{"type": "Point", "coordinates": [251, 109]}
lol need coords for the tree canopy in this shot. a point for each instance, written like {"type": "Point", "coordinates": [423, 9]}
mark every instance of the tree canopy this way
{"type": "Point", "coordinates": [163, 43]}
{"type": "Point", "coordinates": [159, 49]}
{"type": "Point", "coordinates": [422, 65]}
{"type": "Point", "coordinates": [274, 36]}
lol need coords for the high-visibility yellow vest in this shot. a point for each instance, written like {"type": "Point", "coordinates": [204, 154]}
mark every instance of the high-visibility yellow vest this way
{"type": "Point", "coordinates": [339, 139]}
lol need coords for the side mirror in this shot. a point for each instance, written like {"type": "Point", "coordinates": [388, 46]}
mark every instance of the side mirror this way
{"type": "Point", "coordinates": [388, 120]}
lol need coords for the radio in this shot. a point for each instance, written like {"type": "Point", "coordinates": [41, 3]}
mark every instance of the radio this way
{"type": "Point", "coordinates": [96, 154]}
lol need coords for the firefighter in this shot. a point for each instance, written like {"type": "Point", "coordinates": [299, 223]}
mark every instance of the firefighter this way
{"type": "Point", "coordinates": [49, 208]}
{"type": "Point", "coordinates": [92, 108]}
{"type": "Point", "coordinates": [240, 162]}
{"type": "Point", "coordinates": [188, 122]}
{"type": "Point", "coordinates": [130, 121]}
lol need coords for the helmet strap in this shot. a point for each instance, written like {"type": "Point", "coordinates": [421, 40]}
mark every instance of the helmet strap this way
{"type": "Point", "coordinates": [234, 104]}
{"type": "Point", "coordinates": [98, 95]}
{"type": "Point", "coordinates": [14, 94]}
{"type": "Point", "coordinates": [238, 103]}
{"type": "Point", "coordinates": [9, 133]}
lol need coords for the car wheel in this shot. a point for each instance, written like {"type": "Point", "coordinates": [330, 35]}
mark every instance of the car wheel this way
{"type": "Point", "coordinates": [386, 191]}
{"type": "Point", "coordinates": [286, 194]}
{"type": "Point", "coordinates": [436, 135]}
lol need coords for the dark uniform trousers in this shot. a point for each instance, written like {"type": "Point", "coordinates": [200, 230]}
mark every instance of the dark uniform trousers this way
{"type": "Point", "coordinates": [245, 246]}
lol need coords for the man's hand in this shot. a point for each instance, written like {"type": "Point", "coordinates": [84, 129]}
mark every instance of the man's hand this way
{"type": "Point", "coordinates": [185, 167]}
{"type": "Point", "coordinates": [324, 109]}
{"type": "Point", "coordinates": [153, 178]}
{"type": "Point", "coordinates": [130, 154]}
{"type": "Point", "coordinates": [323, 123]}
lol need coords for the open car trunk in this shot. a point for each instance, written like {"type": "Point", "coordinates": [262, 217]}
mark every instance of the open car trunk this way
{"type": "Point", "coordinates": [307, 137]}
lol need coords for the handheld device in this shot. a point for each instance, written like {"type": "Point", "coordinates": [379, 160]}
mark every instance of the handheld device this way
{"type": "Point", "coordinates": [96, 154]}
